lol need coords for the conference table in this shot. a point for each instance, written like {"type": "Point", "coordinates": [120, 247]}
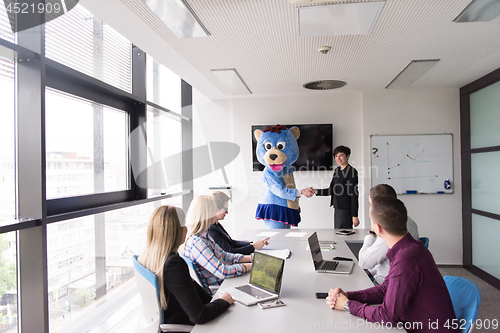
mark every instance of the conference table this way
{"type": "Point", "coordinates": [303, 311]}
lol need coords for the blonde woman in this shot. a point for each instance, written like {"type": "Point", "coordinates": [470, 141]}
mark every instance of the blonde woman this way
{"type": "Point", "coordinates": [211, 262]}
{"type": "Point", "coordinates": [183, 300]}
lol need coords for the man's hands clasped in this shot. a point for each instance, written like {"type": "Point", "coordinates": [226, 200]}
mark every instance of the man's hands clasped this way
{"type": "Point", "coordinates": [336, 299]}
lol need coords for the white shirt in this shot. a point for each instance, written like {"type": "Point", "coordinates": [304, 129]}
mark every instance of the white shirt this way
{"type": "Point", "coordinates": [372, 255]}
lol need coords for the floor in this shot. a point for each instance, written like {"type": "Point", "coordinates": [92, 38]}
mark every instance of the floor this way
{"type": "Point", "coordinates": [489, 311]}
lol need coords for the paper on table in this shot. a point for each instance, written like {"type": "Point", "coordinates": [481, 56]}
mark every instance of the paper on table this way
{"type": "Point", "coordinates": [267, 234]}
{"type": "Point", "coordinates": [296, 234]}
{"type": "Point", "coordinates": [284, 254]}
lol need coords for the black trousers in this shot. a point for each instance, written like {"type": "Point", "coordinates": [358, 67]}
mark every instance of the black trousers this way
{"type": "Point", "coordinates": [342, 219]}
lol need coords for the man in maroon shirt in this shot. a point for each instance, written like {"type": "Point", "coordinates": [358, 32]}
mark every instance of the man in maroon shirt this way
{"type": "Point", "coordinates": [413, 295]}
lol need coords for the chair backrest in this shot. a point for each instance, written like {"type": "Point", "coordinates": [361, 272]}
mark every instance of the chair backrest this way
{"type": "Point", "coordinates": [466, 299]}
{"type": "Point", "coordinates": [192, 271]}
{"type": "Point", "coordinates": [424, 240]}
{"type": "Point", "coordinates": [151, 315]}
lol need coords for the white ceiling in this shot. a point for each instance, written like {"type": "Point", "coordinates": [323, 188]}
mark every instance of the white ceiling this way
{"type": "Point", "coordinates": [260, 39]}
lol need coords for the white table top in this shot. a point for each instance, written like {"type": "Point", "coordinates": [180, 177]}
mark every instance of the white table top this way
{"type": "Point", "coordinates": [303, 312]}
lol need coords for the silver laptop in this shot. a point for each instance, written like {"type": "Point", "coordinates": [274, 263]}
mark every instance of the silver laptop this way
{"type": "Point", "coordinates": [325, 266]}
{"type": "Point", "coordinates": [265, 281]}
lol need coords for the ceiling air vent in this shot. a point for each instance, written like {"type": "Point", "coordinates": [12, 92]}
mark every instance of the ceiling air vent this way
{"type": "Point", "coordinates": [324, 85]}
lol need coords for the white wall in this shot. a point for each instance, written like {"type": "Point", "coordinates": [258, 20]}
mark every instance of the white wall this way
{"type": "Point", "coordinates": [355, 116]}
{"type": "Point", "coordinates": [426, 111]}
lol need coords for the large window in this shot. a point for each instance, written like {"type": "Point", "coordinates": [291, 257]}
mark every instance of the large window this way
{"type": "Point", "coordinates": [83, 42]}
{"type": "Point", "coordinates": [86, 147]}
{"type": "Point", "coordinates": [90, 274]}
{"type": "Point", "coordinates": [8, 284]}
{"type": "Point", "coordinates": [163, 86]}
{"type": "Point", "coordinates": [5, 27]}
{"type": "Point", "coordinates": [164, 134]}
{"type": "Point", "coordinates": [7, 148]}
{"type": "Point", "coordinates": [72, 211]}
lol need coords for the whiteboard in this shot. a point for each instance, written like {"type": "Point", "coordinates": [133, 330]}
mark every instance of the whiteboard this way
{"type": "Point", "coordinates": [413, 164]}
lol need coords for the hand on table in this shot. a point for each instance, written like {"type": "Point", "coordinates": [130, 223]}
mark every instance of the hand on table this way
{"type": "Point", "coordinates": [228, 298]}
{"type": "Point", "coordinates": [336, 299]}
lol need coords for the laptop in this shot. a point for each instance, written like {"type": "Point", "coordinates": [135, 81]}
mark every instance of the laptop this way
{"type": "Point", "coordinates": [265, 281]}
{"type": "Point", "coordinates": [325, 266]}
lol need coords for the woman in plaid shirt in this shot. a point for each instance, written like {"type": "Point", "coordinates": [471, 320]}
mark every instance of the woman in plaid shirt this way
{"type": "Point", "coordinates": [212, 264]}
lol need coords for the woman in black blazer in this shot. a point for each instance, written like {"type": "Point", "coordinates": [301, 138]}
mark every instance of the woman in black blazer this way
{"type": "Point", "coordinates": [222, 237]}
{"type": "Point", "coordinates": [183, 300]}
{"type": "Point", "coordinates": [343, 190]}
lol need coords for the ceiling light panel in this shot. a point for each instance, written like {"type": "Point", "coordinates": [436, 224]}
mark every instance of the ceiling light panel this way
{"type": "Point", "coordinates": [339, 19]}
{"type": "Point", "coordinates": [479, 11]}
{"type": "Point", "coordinates": [411, 73]}
{"type": "Point", "coordinates": [178, 17]}
{"type": "Point", "coordinates": [232, 80]}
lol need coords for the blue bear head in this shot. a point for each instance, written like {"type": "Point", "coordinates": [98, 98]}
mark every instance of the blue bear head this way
{"type": "Point", "coordinates": [277, 146]}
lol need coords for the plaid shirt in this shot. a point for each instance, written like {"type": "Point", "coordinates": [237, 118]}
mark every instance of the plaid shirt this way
{"type": "Point", "coordinates": [211, 263]}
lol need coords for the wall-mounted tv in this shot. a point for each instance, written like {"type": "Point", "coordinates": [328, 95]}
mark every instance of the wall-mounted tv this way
{"type": "Point", "coordinates": [315, 147]}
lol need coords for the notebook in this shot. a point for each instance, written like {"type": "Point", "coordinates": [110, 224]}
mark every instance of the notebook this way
{"type": "Point", "coordinates": [265, 281]}
{"type": "Point", "coordinates": [325, 266]}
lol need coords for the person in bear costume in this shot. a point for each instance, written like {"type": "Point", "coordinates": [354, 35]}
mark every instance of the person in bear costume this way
{"type": "Point", "coordinates": [277, 150]}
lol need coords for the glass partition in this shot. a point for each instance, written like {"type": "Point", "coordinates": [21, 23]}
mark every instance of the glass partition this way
{"type": "Point", "coordinates": [484, 117]}
{"type": "Point", "coordinates": [485, 245]}
{"type": "Point", "coordinates": [485, 182]}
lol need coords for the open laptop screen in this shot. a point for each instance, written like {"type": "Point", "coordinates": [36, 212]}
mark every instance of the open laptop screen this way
{"type": "Point", "coordinates": [267, 272]}
{"type": "Point", "coordinates": [315, 248]}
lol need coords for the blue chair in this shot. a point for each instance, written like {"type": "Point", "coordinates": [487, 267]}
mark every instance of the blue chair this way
{"type": "Point", "coordinates": [424, 240]}
{"type": "Point", "coordinates": [151, 315]}
{"type": "Point", "coordinates": [193, 273]}
{"type": "Point", "coordinates": [466, 299]}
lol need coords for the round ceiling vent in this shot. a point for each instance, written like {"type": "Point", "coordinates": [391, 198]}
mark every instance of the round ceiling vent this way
{"type": "Point", "coordinates": [324, 85]}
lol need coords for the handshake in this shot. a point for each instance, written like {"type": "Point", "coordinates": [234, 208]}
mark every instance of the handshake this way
{"type": "Point", "coordinates": [308, 192]}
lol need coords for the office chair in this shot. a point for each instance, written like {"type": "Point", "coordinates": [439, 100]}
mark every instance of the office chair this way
{"type": "Point", "coordinates": [151, 315]}
{"type": "Point", "coordinates": [424, 240]}
{"type": "Point", "coordinates": [466, 299]}
{"type": "Point", "coordinates": [193, 273]}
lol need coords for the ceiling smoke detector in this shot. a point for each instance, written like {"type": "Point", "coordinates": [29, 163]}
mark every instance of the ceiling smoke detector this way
{"type": "Point", "coordinates": [324, 84]}
{"type": "Point", "coordinates": [324, 49]}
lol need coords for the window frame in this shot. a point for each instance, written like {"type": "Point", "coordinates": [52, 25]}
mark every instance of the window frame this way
{"type": "Point", "coordinates": [466, 159]}
{"type": "Point", "coordinates": [35, 73]}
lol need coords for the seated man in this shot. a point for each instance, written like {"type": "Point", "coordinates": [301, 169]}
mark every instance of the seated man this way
{"type": "Point", "coordinates": [372, 256]}
{"type": "Point", "coordinates": [413, 292]}
{"type": "Point", "coordinates": [220, 235]}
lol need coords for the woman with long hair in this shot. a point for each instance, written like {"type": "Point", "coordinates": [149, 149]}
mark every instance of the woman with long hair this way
{"type": "Point", "coordinates": [182, 299]}
{"type": "Point", "coordinates": [211, 262]}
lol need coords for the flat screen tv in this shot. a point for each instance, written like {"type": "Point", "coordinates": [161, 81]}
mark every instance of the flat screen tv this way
{"type": "Point", "coordinates": [315, 147]}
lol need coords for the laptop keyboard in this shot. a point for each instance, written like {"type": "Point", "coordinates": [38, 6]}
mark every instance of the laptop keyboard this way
{"type": "Point", "coordinates": [329, 265]}
{"type": "Point", "coordinates": [257, 293]}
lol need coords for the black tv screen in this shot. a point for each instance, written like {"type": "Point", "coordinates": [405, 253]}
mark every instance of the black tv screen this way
{"type": "Point", "coordinates": [315, 147]}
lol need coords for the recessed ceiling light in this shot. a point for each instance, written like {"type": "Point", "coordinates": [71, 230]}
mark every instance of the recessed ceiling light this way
{"type": "Point", "coordinates": [479, 11]}
{"type": "Point", "coordinates": [232, 80]}
{"type": "Point", "coordinates": [410, 74]}
{"type": "Point", "coordinates": [324, 84]}
{"type": "Point", "coordinates": [340, 19]}
{"type": "Point", "coordinates": [179, 17]}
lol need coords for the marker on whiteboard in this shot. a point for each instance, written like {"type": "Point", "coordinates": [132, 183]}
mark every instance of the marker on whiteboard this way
{"type": "Point", "coordinates": [440, 192]}
{"type": "Point", "coordinates": [411, 191]}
